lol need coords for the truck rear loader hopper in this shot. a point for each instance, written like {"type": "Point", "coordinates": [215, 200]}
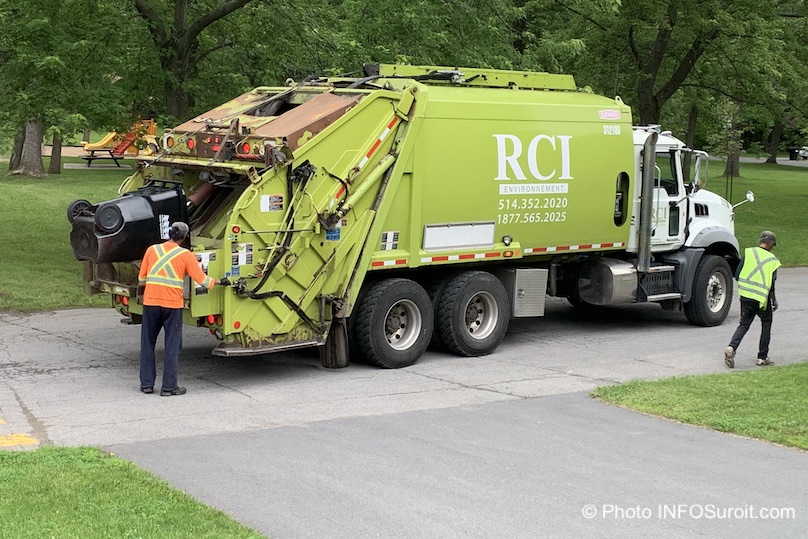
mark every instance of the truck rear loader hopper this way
{"type": "Point", "coordinates": [373, 216]}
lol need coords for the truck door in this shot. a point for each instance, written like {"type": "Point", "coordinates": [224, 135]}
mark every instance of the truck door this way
{"type": "Point", "coordinates": [669, 203]}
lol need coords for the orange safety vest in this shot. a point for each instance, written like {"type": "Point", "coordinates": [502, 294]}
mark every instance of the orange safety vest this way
{"type": "Point", "coordinates": [163, 272]}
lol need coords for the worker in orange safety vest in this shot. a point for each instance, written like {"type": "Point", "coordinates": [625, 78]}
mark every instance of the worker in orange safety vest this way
{"type": "Point", "coordinates": [161, 280]}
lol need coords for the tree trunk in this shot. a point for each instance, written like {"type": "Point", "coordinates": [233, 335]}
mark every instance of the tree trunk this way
{"type": "Point", "coordinates": [690, 139]}
{"type": "Point", "coordinates": [56, 156]}
{"type": "Point", "coordinates": [733, 168]}
{"type": "Point", "coordinates": [647, 103]}
{"type": "Point", "coordinates": [178, 46]}
{"type": "Point", "coordinates": [31, 163]}
{"type": "Point", "coordinates": [85, 137]}
{"type": "Point", "coordinates": [774, 141]}
{"type": "Point", "coordinates": [16, 152]}
{"type": "Point", "coordinates": [178, 101]}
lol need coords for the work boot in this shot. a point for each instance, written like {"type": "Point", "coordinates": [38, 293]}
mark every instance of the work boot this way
{"type": "Point", "coordinates": [764, 362]}
{"type": "Point", "coordinates": [178, 391]}
{"type": "Point", "coordinates": [729, 357]}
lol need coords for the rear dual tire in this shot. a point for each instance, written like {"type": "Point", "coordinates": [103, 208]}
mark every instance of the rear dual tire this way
{"type": "Point", "coordinates": [473, 312]}
{"type": "Point", "coordinates": [395, 319]}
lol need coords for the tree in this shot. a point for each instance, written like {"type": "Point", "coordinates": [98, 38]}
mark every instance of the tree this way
{"type": "Point", "coordinates": [647, 50]}
{"type": "Point", "coordinates": [53, 70]}
{"type": "Point", "coordinates": [758, 63]}
{"type": "Point", "coordinates": [177, 40]}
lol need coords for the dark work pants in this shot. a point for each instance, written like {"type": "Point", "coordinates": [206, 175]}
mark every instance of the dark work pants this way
{"type": "Point", "coordinates": [155, 319]}
{"type": "Point", "coordinates": [750, 308]}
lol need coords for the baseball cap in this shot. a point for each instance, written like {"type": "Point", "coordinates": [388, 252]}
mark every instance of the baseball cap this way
{"type": "Point", "coordinates": [767, 236]}
{"type": "Point", "coordinates": [178, 230]}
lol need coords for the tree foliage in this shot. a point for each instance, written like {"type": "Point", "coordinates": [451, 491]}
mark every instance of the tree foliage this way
{"type": "Point", "coordinates": [72, 64]}
{"type": "Point", "coordinates": [56, 70]}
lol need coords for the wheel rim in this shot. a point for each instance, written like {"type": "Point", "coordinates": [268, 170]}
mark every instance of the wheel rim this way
{"type": "Point", "coordinates": [716, 292]}
{"type": "Point", "coordinates": [482, 314]}
{"type": "Point", "coordinates": [402, 325]}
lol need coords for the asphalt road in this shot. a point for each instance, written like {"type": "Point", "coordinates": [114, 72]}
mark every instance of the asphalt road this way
{"type": "Point", "coordinates": [508, 445]}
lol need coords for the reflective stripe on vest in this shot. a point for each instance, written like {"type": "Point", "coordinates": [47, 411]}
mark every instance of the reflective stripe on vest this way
{"type": "Point", "coordinates": [163, 264]}
{"type": "Point", "coordinates": [755, 279]}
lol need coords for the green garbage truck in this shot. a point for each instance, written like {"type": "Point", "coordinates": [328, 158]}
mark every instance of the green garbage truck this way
{"type": "Point", "coordinates": [373, 216]}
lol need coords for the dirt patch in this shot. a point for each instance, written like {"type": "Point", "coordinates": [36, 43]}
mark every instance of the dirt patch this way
{"type": "Point", "coordinates": [67, 151]}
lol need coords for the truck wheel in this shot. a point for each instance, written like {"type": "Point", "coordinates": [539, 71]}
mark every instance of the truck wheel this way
{"type": "Point", "coordinates": [355, 352]}
{"type": "Point", "coordinates": [712, 292]}
{"type": "Point", "coordinates": [578, 303]}
{"type": "Point", "coordinates": [473, 314]}
{"type": "Point", "coordinates": [435, 291]}
{"type": "Point", "coordinates": [394, 323]}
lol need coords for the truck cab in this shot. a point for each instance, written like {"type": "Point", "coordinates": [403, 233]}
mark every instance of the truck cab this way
{"type": "Point", "coordinates": [680, 206]}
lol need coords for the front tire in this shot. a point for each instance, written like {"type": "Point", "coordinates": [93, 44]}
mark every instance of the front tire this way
{"type": "Point", "coordinates": [394, 323]}
{"type": "Point", "coordinates": [712, 292]}
{"type": "Point", "coordinates": [473, 314]}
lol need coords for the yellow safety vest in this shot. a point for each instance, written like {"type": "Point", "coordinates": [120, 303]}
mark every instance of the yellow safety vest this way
{"type": "Point", "coordinates": [755, 279]}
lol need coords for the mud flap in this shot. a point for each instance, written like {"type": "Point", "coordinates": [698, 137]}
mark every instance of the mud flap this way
{"type": "Point", "coordinates": [334, 354]}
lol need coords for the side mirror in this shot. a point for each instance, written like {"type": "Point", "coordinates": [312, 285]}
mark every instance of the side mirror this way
{"type": "Point", "coordinates": [700, 170]}
{"type": "Point", "coordinates": [750, 197]}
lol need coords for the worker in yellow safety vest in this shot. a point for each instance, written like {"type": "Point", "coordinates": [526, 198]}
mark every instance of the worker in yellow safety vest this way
{"type": "Point", "coordinates": [756, 275]}
{"type": "Point", "coordinates": [161, 279]}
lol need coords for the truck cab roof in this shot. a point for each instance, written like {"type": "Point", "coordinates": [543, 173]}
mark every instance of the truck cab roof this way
{"type": "Point", "coordinates": [666, 140]}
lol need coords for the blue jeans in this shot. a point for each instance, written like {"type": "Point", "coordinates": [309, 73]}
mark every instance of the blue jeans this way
{"type": "Point", "coordinates": [749, 309]}
{"type": "Point", "coordinates": [155, 319]}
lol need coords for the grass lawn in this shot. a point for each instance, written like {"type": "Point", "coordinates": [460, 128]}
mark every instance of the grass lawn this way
{"type": "Point", "coordinates": [767, 403]}
{"type": "Point", "coordinates": [83, 493]}
{"type": "Point", "coordinates": [781, 200]}
{"type": "Point", "coordinates": [38, 270]}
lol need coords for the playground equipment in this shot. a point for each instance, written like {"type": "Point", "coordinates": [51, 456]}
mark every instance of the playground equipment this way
{"type": "Point", "coordinates": [115, 146]}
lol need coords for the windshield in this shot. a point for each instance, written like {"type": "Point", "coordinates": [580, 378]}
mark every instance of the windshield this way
{"type": "Point", "coordinates": [666, 173]}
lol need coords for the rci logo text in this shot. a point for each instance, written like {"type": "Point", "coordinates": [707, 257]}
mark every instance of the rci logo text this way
{"type": "Point", "coordinates": [541, 150]}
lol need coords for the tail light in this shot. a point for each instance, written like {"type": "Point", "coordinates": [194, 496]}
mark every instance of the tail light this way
{"type": "Point", "coordinates": [248, 150]}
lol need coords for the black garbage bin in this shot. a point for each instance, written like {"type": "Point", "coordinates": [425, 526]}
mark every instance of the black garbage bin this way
{"type": "Point", "coordinates": [793, 153]}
